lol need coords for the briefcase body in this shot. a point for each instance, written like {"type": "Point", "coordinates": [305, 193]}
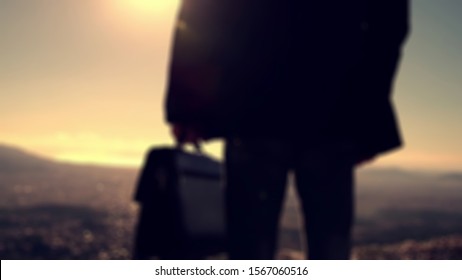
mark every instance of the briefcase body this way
{"type": "Point", "coordinates": [181, 206]}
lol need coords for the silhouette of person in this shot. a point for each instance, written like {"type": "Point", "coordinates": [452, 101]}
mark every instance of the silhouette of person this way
{"type": "Point", "coordinates": [292, 86]}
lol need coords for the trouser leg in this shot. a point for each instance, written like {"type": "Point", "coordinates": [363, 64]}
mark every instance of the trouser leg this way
{"type": "Point", "coordinates": [325, 184]}
{"type": "Point", "coordinates": [256, 173]}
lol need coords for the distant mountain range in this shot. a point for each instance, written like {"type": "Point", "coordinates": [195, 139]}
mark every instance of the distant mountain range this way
{"type": "Point", "coordinates": [14, 159]}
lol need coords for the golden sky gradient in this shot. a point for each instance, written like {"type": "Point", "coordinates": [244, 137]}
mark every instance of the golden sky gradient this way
{"type": "Point", "coordinates": [84, 81]}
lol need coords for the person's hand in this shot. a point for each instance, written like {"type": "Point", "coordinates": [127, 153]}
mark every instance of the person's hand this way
{"type": "Point", "coordinates": [186, 133]}
{"type": "Point", "coordinates": [365, 160]}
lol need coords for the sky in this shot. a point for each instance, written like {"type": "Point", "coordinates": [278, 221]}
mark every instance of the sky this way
{"type": "Point", "coordinates": [84, 81]}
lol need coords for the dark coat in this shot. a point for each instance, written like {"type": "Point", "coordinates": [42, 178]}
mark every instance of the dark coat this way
{"type": "Point", "coordinates": [316, 70]}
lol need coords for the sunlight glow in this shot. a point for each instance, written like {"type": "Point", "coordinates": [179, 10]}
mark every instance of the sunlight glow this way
{"type": "Point", "coordinates": [146, 9]}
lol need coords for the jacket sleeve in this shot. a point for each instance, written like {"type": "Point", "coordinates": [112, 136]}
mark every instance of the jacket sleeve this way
{"type": "Point", "coordinates": [202, 36]}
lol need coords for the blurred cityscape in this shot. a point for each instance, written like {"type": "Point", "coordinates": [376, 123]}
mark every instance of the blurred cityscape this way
{"type": "Point", "coordinates": [50, 210]}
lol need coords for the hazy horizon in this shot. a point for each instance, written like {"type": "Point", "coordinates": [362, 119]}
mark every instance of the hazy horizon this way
{"type": "Point", "coordinates": [83, 81]}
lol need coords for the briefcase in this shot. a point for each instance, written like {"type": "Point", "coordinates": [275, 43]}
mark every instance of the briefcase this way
{"type": "Point", "coordinates": [181, 199]}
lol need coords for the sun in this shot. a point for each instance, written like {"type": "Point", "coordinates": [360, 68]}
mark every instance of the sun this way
{"type": "Point", "coordinates": [147, 7]}
{"type": "Point", "coordinates": [144, 10]}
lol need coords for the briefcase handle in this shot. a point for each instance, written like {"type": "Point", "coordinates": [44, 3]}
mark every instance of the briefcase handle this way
{"type": "Point", "coordinates": [180, 142]}
{"type": "Point", "coordinates": [197, 147]}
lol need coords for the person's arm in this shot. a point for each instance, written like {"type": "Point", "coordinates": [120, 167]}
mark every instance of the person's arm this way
{"type": "Point", "coordinates": [200, 35]}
